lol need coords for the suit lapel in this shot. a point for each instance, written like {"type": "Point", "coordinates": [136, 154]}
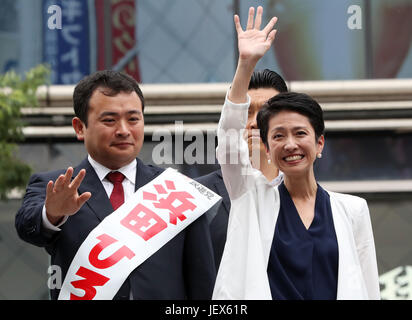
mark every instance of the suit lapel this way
{"type": "Point", "coordinates": [144, 174]}
{"type": "Point", "coordinates": [220, 186]}
{"type": "Point", "coordinates": [99, 203]}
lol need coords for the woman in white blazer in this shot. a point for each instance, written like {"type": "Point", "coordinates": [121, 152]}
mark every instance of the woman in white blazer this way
{"type": "Point", "coordinates": [295, 240]}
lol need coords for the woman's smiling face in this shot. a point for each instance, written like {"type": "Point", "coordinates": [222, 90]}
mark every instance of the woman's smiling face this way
{"type": "Point", "coordinates": [292, 143]}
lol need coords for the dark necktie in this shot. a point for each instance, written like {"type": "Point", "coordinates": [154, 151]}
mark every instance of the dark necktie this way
{"type": "Point", "coordinates": [117, 196]}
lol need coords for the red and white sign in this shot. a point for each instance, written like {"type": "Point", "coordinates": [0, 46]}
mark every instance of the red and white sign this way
{"type": "Point", "coordinates": [142, 225]}
{"type": "Point", "coordinates": [116, 34]}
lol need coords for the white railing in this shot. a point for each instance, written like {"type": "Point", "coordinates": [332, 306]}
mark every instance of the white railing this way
{"type": "Point", "coordinates": [391, 99]}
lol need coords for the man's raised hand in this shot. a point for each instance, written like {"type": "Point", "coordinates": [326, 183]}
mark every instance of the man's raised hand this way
{"type": "Point", "coordinates": [62, 198]}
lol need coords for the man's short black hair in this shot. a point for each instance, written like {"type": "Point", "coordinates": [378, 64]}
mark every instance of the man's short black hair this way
{"type": "Point", "coordinates": [290, 101]}
{"type": "Point", "coordinates": [267, 79]}
{"type": "Point", "coordinates": [111, 82]}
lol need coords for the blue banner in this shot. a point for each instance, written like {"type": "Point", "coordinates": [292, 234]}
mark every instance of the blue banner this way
{"type": "Point", "coordinates": [66, 43]}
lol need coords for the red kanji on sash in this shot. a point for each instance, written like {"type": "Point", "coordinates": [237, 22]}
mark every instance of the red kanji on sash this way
{"type": "Point", "coordinates": [144, 222]}
{"type": "Point", "coordinates": [176, 202]}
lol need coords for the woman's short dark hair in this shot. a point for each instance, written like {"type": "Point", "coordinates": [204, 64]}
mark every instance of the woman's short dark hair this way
{"type": "Point", "coordinates": [290, 101]}
{"type": "Point", "coordinates": [112, 83]}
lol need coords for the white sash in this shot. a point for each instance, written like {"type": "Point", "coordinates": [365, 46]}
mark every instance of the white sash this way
{"type": "Point", "coordinates": [142, 225]}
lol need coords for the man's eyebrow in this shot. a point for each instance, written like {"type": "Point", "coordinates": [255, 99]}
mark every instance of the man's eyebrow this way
{"type": "Point", "coordinates": [112, 113]}
{"type": "Point", "coordinates": [107, 113]}
{"type": "Point", "coordinates": [135, 112]}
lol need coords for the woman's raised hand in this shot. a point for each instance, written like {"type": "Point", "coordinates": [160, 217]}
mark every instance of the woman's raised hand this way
{"type": "Point", "coordinates": [253, 43]}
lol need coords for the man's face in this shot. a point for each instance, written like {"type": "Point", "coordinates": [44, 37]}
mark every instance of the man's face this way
{"type": "Point", "coordinates": [258, 98]}
{"type": "Point", "coordinates": [115, 128]}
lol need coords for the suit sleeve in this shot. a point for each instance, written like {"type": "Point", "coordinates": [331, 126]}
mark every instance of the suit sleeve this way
{"type": "Point", "coordinates": [28, 221]}
{"type": "Point", "coordinates": [232, 150]}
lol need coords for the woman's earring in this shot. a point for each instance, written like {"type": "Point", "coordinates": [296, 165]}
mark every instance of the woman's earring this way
{"type": "Point", "coordinates": [269, 161]}
{"type": "Point", "coordinates": [319, 156]}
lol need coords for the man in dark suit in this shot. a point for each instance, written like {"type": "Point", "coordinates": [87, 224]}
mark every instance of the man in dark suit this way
{"type": "Point", "coordinates": [263, 85]}
{"type": "Point", "coordinates": [61, 208]}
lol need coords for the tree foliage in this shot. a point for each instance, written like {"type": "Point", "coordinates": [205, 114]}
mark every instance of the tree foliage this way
{"type": "Point", "coordinates": [16, 92]}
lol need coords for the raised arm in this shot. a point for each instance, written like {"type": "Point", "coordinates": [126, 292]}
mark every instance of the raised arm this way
{"type": "Point", "coordinates": [232, 151]}
{"type": "Point", "coordinates": [253, 43]}
{"type": "Point", "coordinates": [243, 270]}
